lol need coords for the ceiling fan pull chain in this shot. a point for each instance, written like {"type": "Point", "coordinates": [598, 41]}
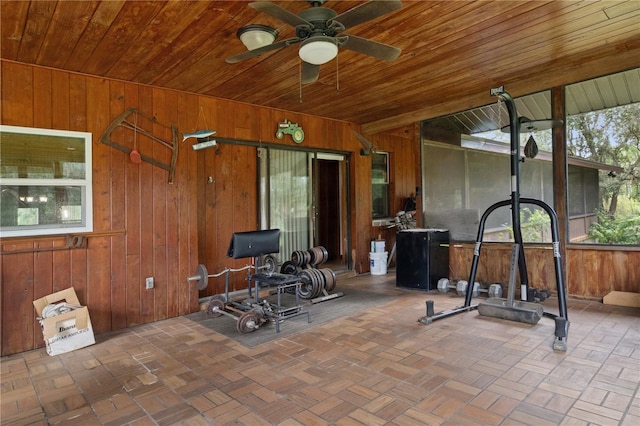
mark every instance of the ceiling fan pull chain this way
{"type": "Point", "coordinates": [300, 78]}
{"type": "Point", "coordinates": [337, 76]}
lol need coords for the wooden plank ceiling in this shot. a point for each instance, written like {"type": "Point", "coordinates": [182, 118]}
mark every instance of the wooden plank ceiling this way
{"type": "Point", "coordinates": [453, 52]}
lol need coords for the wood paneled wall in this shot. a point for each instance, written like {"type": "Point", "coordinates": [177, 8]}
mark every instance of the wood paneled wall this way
{"type": "Point", "coordinates": [143, 226]}
{"type": "Point", "coordinates": [405, 169]}
{"type": "Point", "coordinates": [591, 272]}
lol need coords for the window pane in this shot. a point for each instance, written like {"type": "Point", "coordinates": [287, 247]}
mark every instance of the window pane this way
{"type": "Point", "coordinates": [380, 185]}
{"type": "Point", "coordinates": [592, 190]}
{"type": "Point", "coordinates": [576, 192]}
{"type": "Point", "coordinates": [289, 199]}
{"type": "Point", "coordinates": [36, 156]}
{"type": "Point", "coordinates": [46, 181]}
{"type": "Point", "coordinates": [379, 168]}
{"type": "Point", "coordinates": [380, 200]}
{"type": "Point", "coordinates": [603, 188]}
{"type": "Point", "coordinates": [41, 205]}
{"type": "Point", "coordinates": [467, 169]}
{"type": "Point", "coordinates": [489, 183]}
{"type": "Point", "coordinates": [444, 176]}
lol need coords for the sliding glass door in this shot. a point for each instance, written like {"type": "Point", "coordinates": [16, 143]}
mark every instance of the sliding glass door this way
{"type": "Point", "coordinates": [289, 199]}
{"type": "Point", "coordinates": [303, 193]}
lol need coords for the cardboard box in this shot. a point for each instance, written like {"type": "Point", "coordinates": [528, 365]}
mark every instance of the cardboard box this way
{"type": "Point", "coordinates": [68, 331]}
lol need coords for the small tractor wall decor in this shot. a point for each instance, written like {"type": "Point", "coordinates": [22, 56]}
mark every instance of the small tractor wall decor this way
{"type": "Point", "coordinates": [287, 127]}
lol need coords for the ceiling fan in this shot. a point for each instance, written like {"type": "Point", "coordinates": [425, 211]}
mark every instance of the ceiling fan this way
{"type": "Point", "coordinates": [319, 30]}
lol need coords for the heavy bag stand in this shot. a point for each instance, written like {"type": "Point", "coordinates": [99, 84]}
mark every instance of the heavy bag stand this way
{"type": "Point", "coordinates": [525, 311]}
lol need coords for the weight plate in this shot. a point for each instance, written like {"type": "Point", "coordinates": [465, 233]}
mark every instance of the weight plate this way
{"type": "Point", "coordinates": [298, 258]}
{"type": "Point", "coordinates": [270, 264]}
{"type": "Point", "coordinates": [203, 281]}
{"type": "Point", "coordinates": [305, 290]}
{"type": "Point", "coordinates": [318, 283]}
{"type": "Point", "coordinates": [312, 252]}
{"type": "Point", "coordinates": [219, 297]}
{"type": "Point", "coordinates": [288, 268]}
{"type": "Point", "coordinates": [329, 278]}
{"type": "Point", "coordinates": [215, 307]}
{"type": "Point", "coordinates": [320, 255]}
{"type": "Point", "coordinates": [325, 253]}
{"type": "Point", "coordinates": [247, 322]}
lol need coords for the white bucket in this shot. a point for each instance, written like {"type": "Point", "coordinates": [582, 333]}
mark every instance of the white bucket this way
{"type": "Point", "coordinates": [378, 263]}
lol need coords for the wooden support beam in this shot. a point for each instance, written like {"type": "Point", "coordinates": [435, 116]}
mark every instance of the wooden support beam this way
{"type": "Point", "coordinates": [560, 171]}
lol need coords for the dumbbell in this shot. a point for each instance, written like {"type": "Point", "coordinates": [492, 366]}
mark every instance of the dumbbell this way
{"type": "Point", "coordinates": [461, 286]}
{"type": "Point", "coordinates": [494, 290]}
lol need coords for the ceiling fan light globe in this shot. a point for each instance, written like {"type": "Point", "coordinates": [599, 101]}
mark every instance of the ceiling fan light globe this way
{"type": "Point", "coordinates": [254, 36]}
{"type": "Point", "coordinates": [318, 50]}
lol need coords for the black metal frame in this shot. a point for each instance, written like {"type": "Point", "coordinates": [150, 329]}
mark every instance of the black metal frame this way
{"type": "Point", "coordinates": [561, 319]}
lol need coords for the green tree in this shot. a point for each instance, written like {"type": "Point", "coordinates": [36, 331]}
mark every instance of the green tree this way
{"type": "Point", "coordinates": [608, 230]}
{"type": "Point", "coordinates": [610, 136]}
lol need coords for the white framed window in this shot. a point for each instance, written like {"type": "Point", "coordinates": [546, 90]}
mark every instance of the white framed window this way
{"type": "Point", "coordinates": [45, 182]}
{"type": "Point", "coordinates": [380, 184]}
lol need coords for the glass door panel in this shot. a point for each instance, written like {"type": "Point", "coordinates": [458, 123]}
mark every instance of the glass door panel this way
{"type": "Point", "coordinates": [290, 199]}
{"type": "Point", "coordinates": [303, 193]}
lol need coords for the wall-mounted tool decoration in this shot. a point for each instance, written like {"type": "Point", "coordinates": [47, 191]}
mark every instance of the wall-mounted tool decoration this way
{"type": "Point", "coordinates": [72, 242]}
{"type": "Point", "coordinates": [369, 147]}
{"type": "Point", "coordinates": [136, 157]}
{"type": "Point", "coordinates": [205, 135]}
{"type": "Point", "coordinates": [287, 127]}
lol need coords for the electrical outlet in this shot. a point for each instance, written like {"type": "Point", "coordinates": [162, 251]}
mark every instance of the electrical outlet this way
{"type": "Point", "coordinates": [149, 283]}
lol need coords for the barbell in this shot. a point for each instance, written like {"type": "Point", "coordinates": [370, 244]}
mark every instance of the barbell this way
{"type": "Point", "coordinates": [246, 322]}
{"type": "Point", "coordinates": [461, 287]}
{"type": "Point", "coordinates": [201, 276]}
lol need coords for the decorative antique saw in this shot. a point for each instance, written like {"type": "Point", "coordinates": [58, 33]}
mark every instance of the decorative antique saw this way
{"type": "Point", "coordinates": [322, 25]}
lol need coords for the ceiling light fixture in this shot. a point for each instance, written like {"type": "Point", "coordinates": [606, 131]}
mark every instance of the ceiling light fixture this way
{"type": "Point", "coordinates": [318, 50]}
{"type": "Point", "coordinates": [255, 35]}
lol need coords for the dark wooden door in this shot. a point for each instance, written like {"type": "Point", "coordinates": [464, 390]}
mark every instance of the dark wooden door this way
{"type": "Point", "coordinates": [328, 207]}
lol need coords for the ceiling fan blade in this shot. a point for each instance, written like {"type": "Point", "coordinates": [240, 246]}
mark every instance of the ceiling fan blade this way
{"type": "Point", "coordinates": [310, 72]}
{"type": "Point", "coordinates": [278, 12]}
{"type": "Point", "coordinates": [259, 51]}
{"type": "Point", "coordinates": [371, 48]}
{"type": "Point", "coordinates": [366, 12]}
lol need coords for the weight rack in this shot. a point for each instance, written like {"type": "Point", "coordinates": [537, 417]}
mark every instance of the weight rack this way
{"type": "Point", "coordinates": [251, 313]}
